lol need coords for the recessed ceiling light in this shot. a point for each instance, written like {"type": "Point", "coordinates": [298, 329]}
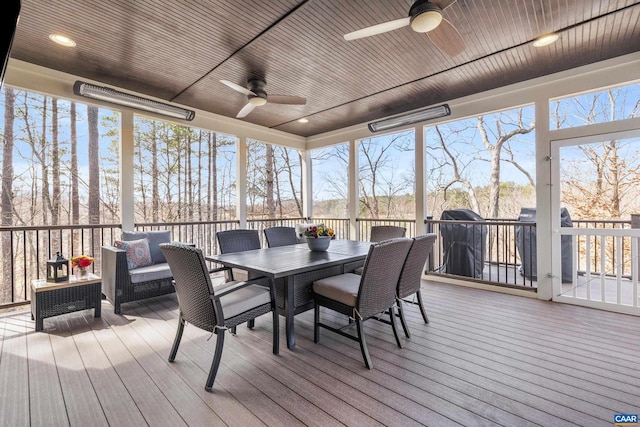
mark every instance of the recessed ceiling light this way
{"type": "Point", "coordinates": [62, 40]}
{"type": "Point", "coordinates": [303, 120]}
{"type": "Point", "coordinates": [545, 40]}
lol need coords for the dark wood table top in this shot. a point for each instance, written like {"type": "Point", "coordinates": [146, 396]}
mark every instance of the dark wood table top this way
{"type": "Point", "coordinates": [283, 261]}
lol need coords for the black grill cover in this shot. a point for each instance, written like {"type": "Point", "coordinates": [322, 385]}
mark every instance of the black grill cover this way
{"type": "Point", "coordinates": [463, 244]}
{"type": "Point", "coordinates": [526, 241]}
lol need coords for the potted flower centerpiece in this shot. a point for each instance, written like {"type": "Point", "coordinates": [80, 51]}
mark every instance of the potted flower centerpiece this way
{"type": "Point", "coordinates": [82, 263]}
{"type": "Point", "coordinates": [318, 238]}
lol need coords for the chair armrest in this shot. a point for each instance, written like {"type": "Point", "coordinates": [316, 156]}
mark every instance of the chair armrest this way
{"type": "Point", "coordinates": [219, 269]}
{"type": "Point", "coordinates": [115, 274]}
{"type": "Point", "coordinates": [111, 261]}
{"type": "Point", "coordinates": [184, 243]}
{"type": "Point", "coordinates": [240, 285]}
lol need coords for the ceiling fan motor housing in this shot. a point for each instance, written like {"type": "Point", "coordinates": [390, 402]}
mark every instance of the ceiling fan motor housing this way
{"type": "Point", "coordinates": [425, 16]}
{"type": "Point", "coordinates": [257, 86]}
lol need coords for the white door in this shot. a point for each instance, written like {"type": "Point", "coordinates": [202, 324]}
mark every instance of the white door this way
{"type": "Point", "coordinates": [595, 261]}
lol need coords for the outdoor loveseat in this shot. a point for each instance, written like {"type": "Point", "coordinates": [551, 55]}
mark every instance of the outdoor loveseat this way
{"type": "Point", "coordinates": [132, 272]}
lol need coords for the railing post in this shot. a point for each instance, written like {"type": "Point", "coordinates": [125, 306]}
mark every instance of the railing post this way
{"type": "Point", "coordinates": [635, 223]}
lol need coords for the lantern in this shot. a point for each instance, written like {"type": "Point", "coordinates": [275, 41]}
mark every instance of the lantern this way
{"type": "Point", "coordinates": [58, 269]}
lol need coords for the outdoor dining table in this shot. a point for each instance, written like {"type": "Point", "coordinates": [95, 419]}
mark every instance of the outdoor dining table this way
{"type": "Point", "coordinates": [293, 269]}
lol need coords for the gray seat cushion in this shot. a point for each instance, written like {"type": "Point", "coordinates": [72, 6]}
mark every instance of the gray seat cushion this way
{"type": "Point", "coordinates": [150, 273]}
{"type": "Point", "coordinates": [342, 288]}
{"type": "Point", "coordinates": [358, 271]}
{"type": "Point", "coordinates": [244, 299]}
{"type": "Point", "coordinates": [154, 238]}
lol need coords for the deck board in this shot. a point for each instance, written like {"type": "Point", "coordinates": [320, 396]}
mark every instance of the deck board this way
{"type": "Point", "coordinates": [82, 403]}
{"type": "Point", "coordinates": [14, 371]}
{"type": "Point", "coordinates": [484, 359]}
{"type": "Point", "coordinates": [47, 405]}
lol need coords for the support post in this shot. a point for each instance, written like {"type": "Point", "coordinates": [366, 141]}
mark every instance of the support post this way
{"type": "Point", "coordinates": [127, 212]}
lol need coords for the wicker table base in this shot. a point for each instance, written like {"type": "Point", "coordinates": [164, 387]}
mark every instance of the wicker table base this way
{"type": "Point", "coordinates": [53, 299]}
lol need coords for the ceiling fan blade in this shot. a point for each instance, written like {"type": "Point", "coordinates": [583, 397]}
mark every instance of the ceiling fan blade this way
{"type": "Point", "coordinates": [286, 99]}
{"type": "Point", "coordinates": [378, 29]}
{"type": "Point", "coordinates": [447, 38]}
{"type": "Point", "coordinates": [245, 110]}
{"type": "Point", "coordinates": [237, 88]}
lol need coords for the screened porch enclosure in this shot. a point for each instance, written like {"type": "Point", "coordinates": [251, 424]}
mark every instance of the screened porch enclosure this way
{"type": "Point", "coordinates": [220, 174]}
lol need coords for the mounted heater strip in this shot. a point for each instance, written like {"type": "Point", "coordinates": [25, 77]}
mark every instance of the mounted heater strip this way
{"type": "Point", "coordinates": [120, 98]}
{"type": "Point", "coordinates": [410, 118]}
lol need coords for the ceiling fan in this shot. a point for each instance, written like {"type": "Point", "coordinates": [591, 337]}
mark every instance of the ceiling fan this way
{"type": "Point", "coordinates": [424, 17]}
{"type": "Point", "coordinates": [258, 97]}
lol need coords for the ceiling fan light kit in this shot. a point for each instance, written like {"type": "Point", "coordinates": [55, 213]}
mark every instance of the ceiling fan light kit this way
{"type": "Point", "coordinates": [425, 16]}
{"type": "Point", "coordinates": [257, 100]}
{"type": "Point", "coordinates": [410, 118]}
{"type": "Point", "coordinates": [120, 98]}
{"type": "Point", "coordinates": [257, 96]}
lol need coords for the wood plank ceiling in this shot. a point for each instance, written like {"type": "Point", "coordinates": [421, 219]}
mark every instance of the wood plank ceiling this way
{"type": "Point", "coordinates": [180, 50]}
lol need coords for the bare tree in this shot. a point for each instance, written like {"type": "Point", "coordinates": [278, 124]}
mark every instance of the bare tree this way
{"type": "Point", "coordinates": [457, 150]}
{"type": "Point", "coordinates": [94, 175]}
{"type": "Point", "coordinates": [55, 164]}
{"type": "Point", "coordinates": [7, 193]}
{"type": "Point", "coordinates": [604, 180]}
{"type": "Point", "coordinates": [75, 197]}
{"type": "Point", "coordinates": [377, 178]}
{"type": "Point", "coordinates": [269, 181]}
{"type": "Point", "coordinates": [155, 193]}
{"type": "Point", "coordinates": [495, 146]}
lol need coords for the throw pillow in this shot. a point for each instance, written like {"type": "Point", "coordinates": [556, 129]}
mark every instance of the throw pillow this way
{"type": "Point", "coordinates": [155, 238]}
{"type": "Point", "coordinates": [138, 254]}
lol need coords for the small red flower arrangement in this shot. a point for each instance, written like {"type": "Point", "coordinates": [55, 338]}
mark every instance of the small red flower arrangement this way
{"type": "Point", "coordinates": [82, 261]}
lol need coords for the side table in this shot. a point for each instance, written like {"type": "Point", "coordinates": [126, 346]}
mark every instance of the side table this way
{"type": "Point", "coordinates": [52, 299]}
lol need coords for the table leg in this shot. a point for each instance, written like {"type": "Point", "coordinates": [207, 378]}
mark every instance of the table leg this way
{"type": "Point", "coordinates": [97, 312]}
{"type": "Point", "coordinates": [289, 308]}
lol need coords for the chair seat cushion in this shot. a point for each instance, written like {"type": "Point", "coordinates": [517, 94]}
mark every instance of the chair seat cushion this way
{"type": "Point", "coordinates": [358, 271]}
{"type": "Point", "coordinates": [244, 299]}
{"type": "Point", "coordinates": [150, 273]}
{"type": "Point", "coordinates": [342, 288]}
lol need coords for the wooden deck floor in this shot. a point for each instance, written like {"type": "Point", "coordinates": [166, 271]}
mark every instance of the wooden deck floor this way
{"type": "Point", "coordinates": [484, 359]}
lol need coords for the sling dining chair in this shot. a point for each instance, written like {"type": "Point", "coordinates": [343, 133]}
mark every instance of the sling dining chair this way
{"type": "Point", "coordinates": [215, 309]}
{"type": "Point", "coordinates": [411, 276]}
{"type": "Point", "coordinates": [280, 236]}
{"type": "Point", "coordinates": [365, 296]}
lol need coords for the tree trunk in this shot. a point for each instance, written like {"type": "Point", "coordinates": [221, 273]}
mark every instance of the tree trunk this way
{"type": "Point", "coordinates": [46, 200]}
{"type": "Point", "coordinates": [199, 180]}
{"type": "Point", "coordinates": [94, 175]}
{"type": "Point", "coordinates": [269, 174]}
{"type": "Point", "coordinates": [188, 182]}
{"type": "Point", "coordinates": [75, 197]}
{"type": "Point", "coordinates": [615, 181]}
{"type": "Point", "coordinates": [214, 175]}
{"type": "Point", "coordinates": [155, 192]}
{"type": "Point", "coordinates": [55, 164]}
{"type": "Point", "coordinates": [7, 194]}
